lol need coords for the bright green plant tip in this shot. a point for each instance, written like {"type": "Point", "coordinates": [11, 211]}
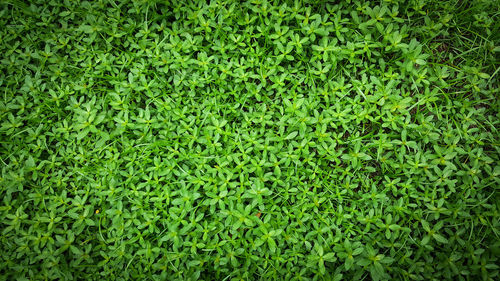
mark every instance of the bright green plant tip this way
{"type": "Point", "coordinates": [260, 140]}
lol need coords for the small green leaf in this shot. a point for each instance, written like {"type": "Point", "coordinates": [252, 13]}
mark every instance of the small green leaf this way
{"type": "Point", "coordinates": [292, 135]}
{"type": "Point", "coordinates": [440, 238]}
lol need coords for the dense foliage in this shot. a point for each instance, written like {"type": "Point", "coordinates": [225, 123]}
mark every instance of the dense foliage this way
{"type": "Point", "coordinates": [249, 141]}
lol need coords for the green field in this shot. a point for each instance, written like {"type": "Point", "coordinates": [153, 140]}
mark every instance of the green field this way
{"type": "Point", "coordinates": [264, 140]}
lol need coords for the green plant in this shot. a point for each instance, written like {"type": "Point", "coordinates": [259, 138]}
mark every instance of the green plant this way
{"type": "Point", "coordinates": [293, 140]}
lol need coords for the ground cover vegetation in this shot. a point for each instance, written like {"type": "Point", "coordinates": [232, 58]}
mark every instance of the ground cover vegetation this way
{"type": "Point", "coordinates": [264, 140]}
